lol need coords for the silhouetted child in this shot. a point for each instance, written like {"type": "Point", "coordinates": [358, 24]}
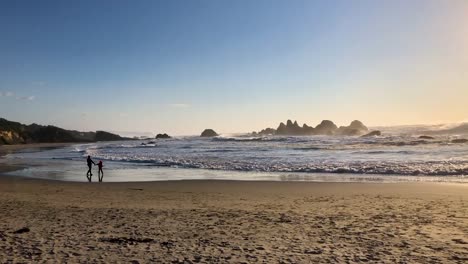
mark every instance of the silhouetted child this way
{"type": "Point", "coordinates": [90, 165]}
{"type": "Point", "coordinates": [100, 172]}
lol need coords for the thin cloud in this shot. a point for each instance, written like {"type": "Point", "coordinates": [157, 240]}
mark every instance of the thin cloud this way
{"type": "Point", "coordinates": [6, 94]}
{"type": "Point", "coordinates": [17, 97]}
{"type": "Point", "coordinates": [179, 105]}
{"type": "Point", "coordinates": [23, 98]}
{"type": "Point", "coordinates": [26, 98]}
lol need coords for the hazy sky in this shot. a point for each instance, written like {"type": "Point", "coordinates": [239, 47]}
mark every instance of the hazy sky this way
{"type": "Point", "coordinates": [234, 66]}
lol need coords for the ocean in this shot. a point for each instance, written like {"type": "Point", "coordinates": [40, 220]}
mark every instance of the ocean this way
{"type": "Point", "coordinates": [388, 158]}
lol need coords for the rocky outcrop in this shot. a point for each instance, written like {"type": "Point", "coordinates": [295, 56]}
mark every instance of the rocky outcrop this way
{"type": "Point", "coordinates": [162, 136]}
{"type": "Point", "coordinates": [17, 133]}
{"type": "Point", "coordinates": [209, 133]}
{"type": "Point", "coordinates": [326, 127]}
{"type": "Point", "coordinates": [356, 128]}
{"type": "Point", "coordinates": [290, 129]}
{"type": "Point", "coordinates": [373, 134]}
{"type": "Point", "coordinates": [265, 132]}
{"type": "Point", "coordinates": [307, 130]}
{"type": "Point", "coordinates": [11, 132]}
{"type": "Point", "coordinates": [10, 137]}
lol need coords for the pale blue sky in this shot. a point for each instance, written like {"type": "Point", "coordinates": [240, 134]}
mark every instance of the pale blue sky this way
{"type": "Point", "coordinates": [234, 66]}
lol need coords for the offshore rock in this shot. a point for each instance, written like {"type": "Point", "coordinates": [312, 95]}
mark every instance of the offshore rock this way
{"type": "Point", "coordinates": [209, 133]}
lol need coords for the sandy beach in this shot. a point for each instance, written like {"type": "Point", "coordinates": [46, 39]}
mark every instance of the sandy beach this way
{"type": "Point", "coordinates": [232, 222]}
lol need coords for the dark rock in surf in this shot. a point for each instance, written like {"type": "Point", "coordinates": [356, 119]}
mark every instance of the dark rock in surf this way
{"type": "Point", "coordinates": [162, 136]}
{"type": "Point", "coordinates": [209, 133]}
{"type": "Point", "coordinates": [373, 134]}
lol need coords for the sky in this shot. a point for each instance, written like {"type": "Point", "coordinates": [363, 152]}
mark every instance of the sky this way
{"type": "Point", "coordinates": [181, 66]}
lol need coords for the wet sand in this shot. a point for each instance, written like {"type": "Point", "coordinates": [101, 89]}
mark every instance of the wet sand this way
{"type": "Point", "coordinates": [232, 222]}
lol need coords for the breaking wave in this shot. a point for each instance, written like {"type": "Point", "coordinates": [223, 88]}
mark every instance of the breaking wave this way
{"type": "Point", "coordinates": [351, 155]}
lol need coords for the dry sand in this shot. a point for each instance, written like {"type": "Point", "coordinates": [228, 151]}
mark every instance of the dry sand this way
{"type": "Point", "coordinates": [232, 222]}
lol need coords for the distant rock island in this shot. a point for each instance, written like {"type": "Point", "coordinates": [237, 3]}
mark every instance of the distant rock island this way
{"type": "Point", "coordinates": [162, 136]}
{"type": "Point", "coordinates": [209, 133]}
{"type": "Point", "coordinates": [326, 127]}
{"type": "Point", "coordinates": [17, 133]}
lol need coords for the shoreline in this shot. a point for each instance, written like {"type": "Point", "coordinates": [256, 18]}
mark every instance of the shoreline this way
{"type": "Point", "coordinates": [6, 149]}
{"type": "Point", "coordinates": [10, 177]}
{"type": "Point", "coordinates": [8, 170]}
{"type": "Point", "coordinates": [10, 149]}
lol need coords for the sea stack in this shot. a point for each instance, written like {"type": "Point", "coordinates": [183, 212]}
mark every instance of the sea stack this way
{"type": "Point", "coordinates": [162, 136]}
{"type": "Point", "coordinates": [326, 127]}
{"type": "Point", "coordinates": [356, 128]}
{"type": "Point", "coordinates": [209, 133]}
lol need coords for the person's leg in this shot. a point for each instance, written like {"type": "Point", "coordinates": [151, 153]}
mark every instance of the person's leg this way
{"type": "Point", "coordinates": [101, 175]}
{"type": "Point", "coordinates": [90, 172]}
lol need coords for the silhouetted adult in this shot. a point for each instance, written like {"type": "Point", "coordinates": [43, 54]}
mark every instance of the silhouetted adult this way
{"type": "Point", "coordinates": [100, 172]}
{"type": "Point", "coordinates": [90, 165]}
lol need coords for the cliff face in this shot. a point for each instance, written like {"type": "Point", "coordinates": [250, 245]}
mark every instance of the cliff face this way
{"type": "Point", "coordinates": [17, 133]}
{"type": "Point", "coordinates": [10, 137]}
